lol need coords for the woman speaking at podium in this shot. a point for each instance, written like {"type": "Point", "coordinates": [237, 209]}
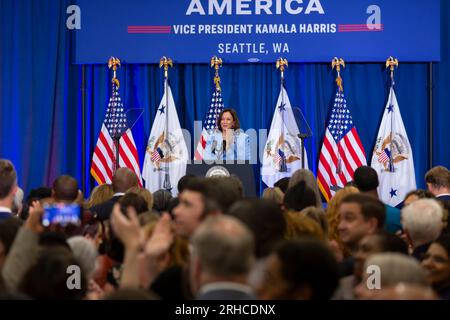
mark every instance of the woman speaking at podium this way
{"type": "Point", "coordinates": [229, 142]}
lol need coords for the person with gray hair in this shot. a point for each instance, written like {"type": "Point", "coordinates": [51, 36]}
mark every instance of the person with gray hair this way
{"type": "Point", "coordinates": [422, 222]}
{"type": "Point", "coordinates": [384, 271]}
{"type": "Point", "coordinates": [221, 258]}
{"type": "Point", "coordinates": [85, 252]}
{"type": "Point", "coordinates": [17, 202]}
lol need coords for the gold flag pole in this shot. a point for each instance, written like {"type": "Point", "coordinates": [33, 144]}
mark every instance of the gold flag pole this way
{"type": "Point", "coordinates": [166, 62]}
{"type": "Point", "coordinates": [281, 65]}
{"type": "Point", "coordinates": [392, 63]}
{"type": "Point", "coordinates": [337, 63]}
{"type": "Point", "coordinates": [114, 63]}
{"type": "Point", "coordinates": [216, 63]}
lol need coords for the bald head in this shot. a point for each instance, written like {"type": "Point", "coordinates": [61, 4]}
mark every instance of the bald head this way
{"type": "Point", "coordinates": [124, 179]}
{"type": "Point", "coordinates": [65, 188]}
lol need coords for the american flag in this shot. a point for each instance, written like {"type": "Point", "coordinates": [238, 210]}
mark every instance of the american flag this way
{"type": "Point", "coordinates": [156, 155]}
{"type": "Point", "coordinates": [384, 156]}
{"type": "Point", "coordinates": [104, 158]}
{"type": "Point", "coordinates": [210, 122]}
{"type": "Point", "coordinates": [280, 159]}
{"type": "Point", "coordinates": [342, 151]}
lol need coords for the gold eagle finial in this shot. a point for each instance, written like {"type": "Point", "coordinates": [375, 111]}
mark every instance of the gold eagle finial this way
{"type": "Point", "coordinates": [392, 63]}
{"type": "Point", "coordinates": [216, 63]}
{"type": "Point", "coordinates": [281, 64]}
{"type": "Point", "coordinates": [338, 63]}
{"type": "Point", "coordinates": [165, 62]}
{"type": "Point", "coordinates": [114, 63]}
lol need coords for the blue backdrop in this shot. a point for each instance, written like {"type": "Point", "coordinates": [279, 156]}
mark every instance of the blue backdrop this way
{"type": "Point", "coordinates": [42, 123]}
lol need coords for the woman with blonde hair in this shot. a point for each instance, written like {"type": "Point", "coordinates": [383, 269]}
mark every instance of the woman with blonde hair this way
{"type": "Point", "coordinates": [299, 225]}
{"type": "Point", "coordinates": [307, 176]}
{"type": "Point", "coordinates": [144, 193]}
{"type": "Point", "coordinates": [274, 194]}
{"type": "Point", "coordinates": [100, 194]}
{"type": "Point", "coordinates": [334, 219]}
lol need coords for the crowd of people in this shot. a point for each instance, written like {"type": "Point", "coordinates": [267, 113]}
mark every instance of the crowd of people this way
{"type": "Point", "coordinates": [212, 243]}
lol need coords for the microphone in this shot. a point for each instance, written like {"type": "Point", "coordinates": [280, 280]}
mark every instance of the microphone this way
{"type": "Point", "coordinates": [214, 146]}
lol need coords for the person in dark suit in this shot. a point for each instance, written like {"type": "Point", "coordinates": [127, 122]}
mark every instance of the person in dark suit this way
{"type": "Point", "coordinates": [221, 258]}
{"type": "Point", "coordinates": [123, 179]}
{"type": "Point", "coordinates": [8, 188]}
{"type": "Point", "coordinates": [438, 182]}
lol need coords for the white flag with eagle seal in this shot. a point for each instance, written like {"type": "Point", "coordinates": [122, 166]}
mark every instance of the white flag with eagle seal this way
{"type": "Point", "coordinates": [392, 157]}
{"type": "Point", "coordinates": [282, 153]}
{"type": "Point", "coordinates": [166, 155]}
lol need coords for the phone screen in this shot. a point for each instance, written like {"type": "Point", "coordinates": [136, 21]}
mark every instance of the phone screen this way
{"type": "Point", "coordinates": [61, 214]}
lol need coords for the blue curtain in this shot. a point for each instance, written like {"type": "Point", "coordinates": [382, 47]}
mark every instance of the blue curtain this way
{"type": "Point", "coordinates": [43, 124]}
{"type": "Point", "coordinates": [40, 117]}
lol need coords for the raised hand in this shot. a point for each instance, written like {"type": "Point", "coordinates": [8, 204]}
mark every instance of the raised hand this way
{"type": "Point", "coordinates": [128, 229]}
{"type": "Point", "coordinates": [161, 239]}
{"type": "Point", "coordinates": [33, 221]}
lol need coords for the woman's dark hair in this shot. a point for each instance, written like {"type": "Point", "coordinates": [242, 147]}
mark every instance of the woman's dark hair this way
{"type": "Point", "coordinates": [309, 263]}
{"type": "Point", "coordinates": [237, 124]}
{"type": "Point", "coordinates": [283, 184]}
{"type": "Point", "coordinates": [299, 197]}
{"type": "Point", "coordinates": [133, 200]}
{"type": "Point", "coordinates": [390, 242]}
{"type": "Point", "coordinates": [444, 241]}
{"type": "Point", "coordinates": [420, 193]}
{"type": "Point", "coordinates": [266, 221]}
{"type": "Point", "coordinates": [161, 200]}
{"type": "Point", "coordinates": [48, 278]}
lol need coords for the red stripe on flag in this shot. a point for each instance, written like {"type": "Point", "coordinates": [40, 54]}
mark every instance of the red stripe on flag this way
{"type": "Point", "coordinates": [98, 173]}
{"type": "Point", "coordinates": [358, 141]}
{"type": "Point", "coordinates": [334, 159]}
{"type": "Point", "coordinates": [327, 168]}
{"type": "Point", "coordinates": [324, 186]}
{"type": "Point", "coordinates": [203, 141]}
{"type": "Point", "coordinates": [131, 147]}
{"type": "Point", "coordinates": [104, 162]}
{"type": "Point", "coordinates": [352, 152]}
{"type": "Point", "coordinates": [107, 146]}
{"type": "Point", "coordinates": [125, 159]}
{"type": "Point", "coordinates": [347, 164]}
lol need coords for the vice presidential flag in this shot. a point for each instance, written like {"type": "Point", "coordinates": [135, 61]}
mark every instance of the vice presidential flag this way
{"type": "Point", "coordinates": [282, 153]}
{"type": "Point", "coordinates": [166, 154]}
{"type": "Point", "coordinates": [392, 157]}
{"type": "Point", "coordinates": [342, 151]}
{"type": "Point", "coordinates": [104, 157]}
